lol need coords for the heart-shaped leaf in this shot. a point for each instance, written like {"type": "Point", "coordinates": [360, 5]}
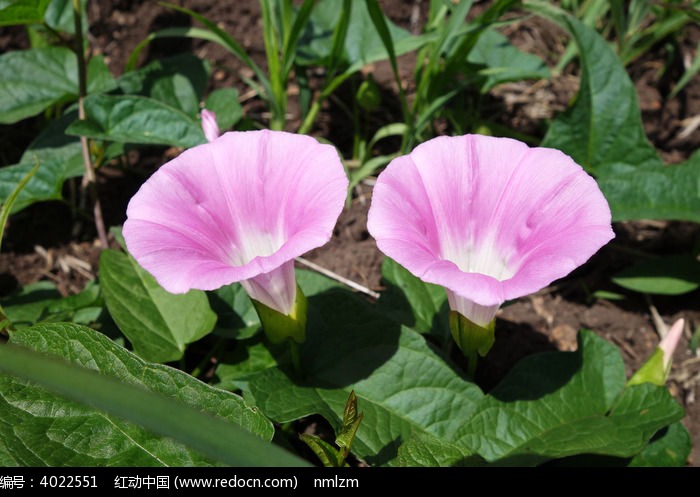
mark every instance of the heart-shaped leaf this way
{"type": "Point", "coordinates": [558, 404]}
{"type": "Point", "coordinates": [41, 428]}
{"type": "Point", "coordinates": [159, 324]}
{"type": "Point", "coordinates": [134, 119]}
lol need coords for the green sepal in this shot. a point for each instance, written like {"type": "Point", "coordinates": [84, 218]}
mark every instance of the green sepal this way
{"type": "Point", "coordinates": [278, 327]}
{"type": "Point", "coordinates": [472, 338]}
{"type": "Point", "coordinates": [652, 371]}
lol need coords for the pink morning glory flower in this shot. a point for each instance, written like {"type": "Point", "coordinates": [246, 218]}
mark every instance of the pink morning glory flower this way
{"type": "Point", "coordinates": [238, 209]}
{"type": "Point", "coordinates": [209, 125]}
{"type": "Point", "coordinates": [490, 219]}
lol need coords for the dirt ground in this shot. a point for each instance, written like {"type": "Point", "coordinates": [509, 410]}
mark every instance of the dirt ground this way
{"type": "Point", "coordinates": [41, 242]}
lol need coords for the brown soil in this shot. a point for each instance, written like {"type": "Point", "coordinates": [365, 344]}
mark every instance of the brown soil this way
{"type": "Point", "coordinates": [41, 244]}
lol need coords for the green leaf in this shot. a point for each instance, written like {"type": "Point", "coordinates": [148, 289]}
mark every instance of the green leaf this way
{"type": "Point", "coordinates": [249, 357]}
{"type": "Point", "coordinates": [39, 427]}
{"type": "Point", "coordinates": [503, 62]}
{"type": "Point", "coordinates": [135, 119]}
{"type": "Point", "coordinates": [603, 132]}
{"type": "Point", "coordinates": [402, 385]}
{"type": "Point", "coordinates": [330, 456]}
{"type": "Point", "coordinates": [604, 125]}
{"type": "Point", "coordinates": [654, 192]}
{"type": "Point", "coordinates": [22, 11]}
{"type": "Point", "coordinates": [669, 275]}
{"type": "Point", "coordinates": [9, 201]}
{"type": "Point", "coordinates": [177, 91]}
{"type": "Point", "coordinates": [418, 305]}
{"type": "Point", "coordinates": [224, 102]}
{"type": "Point", "coordinates": [604, 294]}
{"type": "Point", "coordinates": [158, 324]}
{"type": "Point", "coordinates": [46, 184]}
{"type": "Point", "coordinates": [178, 81]}
{"type": "Point", "coordinates": [32, 80]}
{"type": "Point", "coordinates": [363, 44]}
{"type": "Point", "coordinates": [42, 302]}
{"type": "Point", "coordinates": [559, 404]}
{"type": "Point", "coordinates": [236, 315]}
{"type": "Point", "coordinates": [53, 144]}
{"type": "Point", "coordinates": [26, 305]}
{"type": "Point", "coordinates": [688, 75]}
{"type": "Point", "coordinates": [669, 448]}
{"type": "Point", "coordinates": [695, 341]}
{"type": "Point", "coordinates": [59, 16]}
{"type": "Point", "coordinates": [348, 429]}
{"type": "Point", "coordinates": [425, 450]}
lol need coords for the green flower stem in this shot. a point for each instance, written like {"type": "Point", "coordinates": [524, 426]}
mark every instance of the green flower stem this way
{"type": "Point", "coordinates": [296, 356]}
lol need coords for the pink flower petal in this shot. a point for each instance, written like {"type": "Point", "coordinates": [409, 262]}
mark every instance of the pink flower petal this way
{"type": "Point", "coordinates": [488, 218]}
{"type": "Point", "coordinates": [234, 209]}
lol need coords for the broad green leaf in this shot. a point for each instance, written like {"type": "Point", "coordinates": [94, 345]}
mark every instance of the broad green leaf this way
{"type": "Point", "coordinates": [224, 102]}
{"type": "Point", "coordinates": [27, 303]}
{"type": "Point", "coordinates": [177, 91]}
{"type": "Point", "coordinates": [669, 448]}
{"type": "Point", "coordinates": [177, 81]}
{"type": "Point", "coordinates": [402, 386]}
{"type": "Point", "coordinates": [22, 11]}
{"type": "Point", "coordinates": [41, 302]}
{"type": "Point", "coordinates": [40, 428]}
{"type": "Point", "coordinates": [31, 80]}
{"type": "Point", "coordinates": [363, 44]}
{"type": "Point", "coordinates": [236, 315]}
{"type": "Point", "coordinates": [412, 302]}
{"type": "Point", "coordinates": [654, 192]}
{"type": "Point", "coordinates": [52, 143]}
{"type": "Point", "coordinates": [59, 16]}
{"type": "Point", "coordinates": [503, 62]}
{"type": "Point", "coordinates": [604, 125]}
{"type": "Point", "coordinates": [668, 275]}
{"type": "Point", "coordinates": [603, 132]}
{"type": "Point", "coordinates": [158, 324]}
{"type": "Point", "coordinates": [135, 119]}
{"type": "Point", "coordinates": [247, 358]}
{"type": "Point", "coordinates": [560, 404]}
{"type": "Point", "coordinates": [426, 450]}
{"type": "Point", "coordinates": [46, 184]}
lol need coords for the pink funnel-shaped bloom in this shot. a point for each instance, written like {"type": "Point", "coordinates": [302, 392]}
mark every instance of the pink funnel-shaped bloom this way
{"type": "Point", "coordinates": [240, 208]}
{"type": "Point", "coordinates": [490, 219]}
{"type": "Point", "coordinates": [209, 125]}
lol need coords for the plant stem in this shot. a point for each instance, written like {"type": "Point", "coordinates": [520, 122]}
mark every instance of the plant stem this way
{"type": "Point", "coordinates": [88, 184]}
{"type": "Point", "coordinates": [296, 357]}
{"type": "Point", "coordinates": [207, 359]}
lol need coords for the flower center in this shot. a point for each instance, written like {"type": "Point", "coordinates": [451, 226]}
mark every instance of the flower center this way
{"type": "Point", "coordinates": [483, 259]}
{"type": "Point", "coordinates": [254, 244]}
